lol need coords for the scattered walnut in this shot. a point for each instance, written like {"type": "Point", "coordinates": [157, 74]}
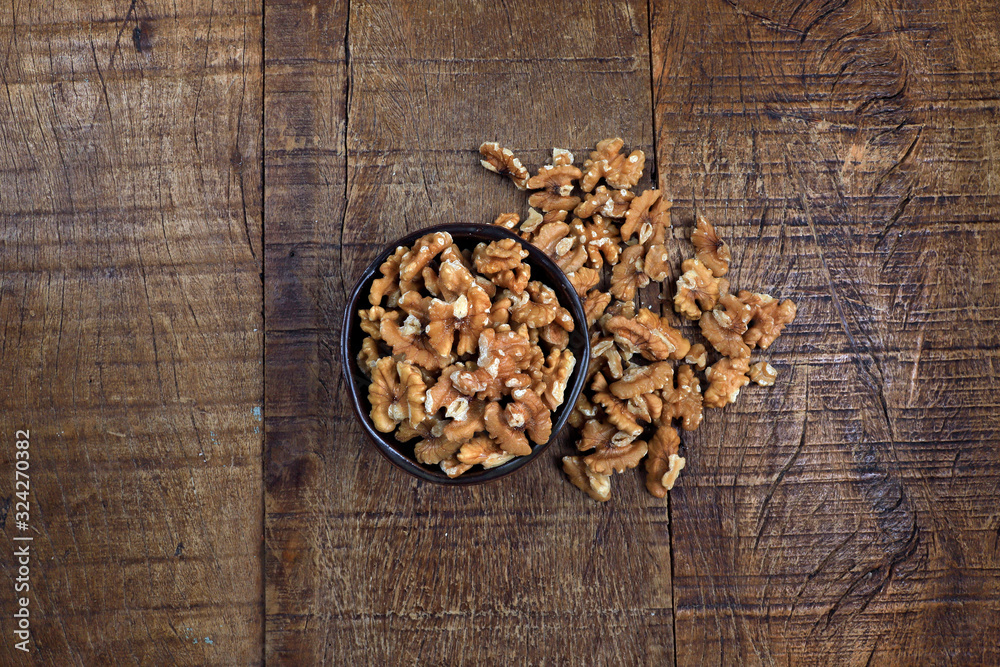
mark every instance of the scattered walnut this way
{"type": "Point", "coordinates": [618, 413]}
{"type": "Point", "coordinates": [617, 170]}
{"type": "Point", "coordinates": [627, 275]}
{"type": "Point", "coordinates": [726, 377]}
{"type": "Point", "coordinates": [555, 188]}
{"type": "Point", "coordinates": [768, 318]}
{"type": "Point", "coordinates": [647, 334]}
{"type": "Point", "coordinates": [604, 353]}
{"type": "Point", "coordinates": [503, 262]}
{"type": "Point", "coordinates": [685, 401]}
{"type": "Point", "coordinates": [502, 161]}
{"type": "Point", "coordinates": [548, 237]}
{"type": "Point", "coordinates": [709, 248]}
{"type": "Point", "coordinates": [531, 224]}
{"type": "Point", "coordinates": [647, 407]}
{"type": "Point", "coordinates": [663, 464]}
{"type": "Point", "coordinates": [507, 221]}
{"type": "Point", "coordinates": [596, 434]}
{"type": "Point", "coordinates": [655, 263]}
{"type": "Point", "coordinates": [608, 203]}
{"type": "Point", "coordinates": [594, 305]}
{"type": "Point", "coordinates": [396, 394]}
{"type": "Point", "coordinates": [639, 380]}
{"type": "Point", "coordinates": [483, 450]}
{"type": "Point", "coordinates": [614, 458]}
{"type": "Point", "coordinates": [763, 374]}
{"type": "Point", "coordinates": [595, 485]}
{"type": "Point", "coordinates": [601, 239]}
{"type": "Point", "coordinates": [623, 308]}
{"type": "Point", "coordinates": [725, 325]}
{"type": "Point", "coordinates": [697, 289]}
{"type": "Point", "coordinates": [697, 356]}
{"type": "Point", "coordinates": [584, 279]}
{"type": "Point", "coordinates": [648, 216]}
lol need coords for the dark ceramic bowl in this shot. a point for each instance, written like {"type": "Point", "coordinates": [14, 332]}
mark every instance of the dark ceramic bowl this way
{"type": "Point", "coordinates": [466, 236]}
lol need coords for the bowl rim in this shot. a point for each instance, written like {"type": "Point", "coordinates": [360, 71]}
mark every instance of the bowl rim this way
{"type": "Point", "coordinates": [485, 233]}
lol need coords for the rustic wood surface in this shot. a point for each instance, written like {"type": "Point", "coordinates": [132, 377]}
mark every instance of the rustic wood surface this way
{"type": "Point", "coordinates": [130, 312]}
{"type": "Point", "coordinates": [155, 308]}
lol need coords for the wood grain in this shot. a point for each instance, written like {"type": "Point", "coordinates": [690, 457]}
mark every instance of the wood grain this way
{"type": "Point", "coordinates": [851, 152]}
{"type": "Point", "coordinates": [364, 563]}
{"type": "Point", "coordinates": [130, 312]}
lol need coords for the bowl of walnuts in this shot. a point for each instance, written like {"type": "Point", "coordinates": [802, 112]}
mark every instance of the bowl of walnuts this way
{"type": "Point", "coordinates": [464, 349]}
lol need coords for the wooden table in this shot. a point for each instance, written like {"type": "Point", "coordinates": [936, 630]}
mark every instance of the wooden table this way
{"type": "Point", "coordinates": [189, 189]}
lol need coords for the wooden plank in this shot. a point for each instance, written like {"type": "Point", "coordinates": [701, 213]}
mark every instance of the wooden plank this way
{"type": "Point", "coordinates": [130, 301]}
{"type": "Point", "coordinates": [364, 563]}
{"type": "Point", "coordinates": [850, 153]}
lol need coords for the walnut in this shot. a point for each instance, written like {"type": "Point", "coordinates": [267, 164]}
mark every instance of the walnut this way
{"type": "Point", "coordinates": [555, 335]}
{"type": "Point", "coordinates": [528, 414]}
{"type": "Point", "coordinates": [548, 237]}
{"type": "Point", "coordinates": [685, 401]}
{"type": "Point", "coordinates": [597, 164]}
{"type": "Point", "coordinates": [407, 341]}
{"type": "Point", "coordinates": [647, 407]}
{"type": "Point", "coordinates": [502, 357]}
{"type": "Point", "coordinates": [435, 449]}
{"type": "Point", "coordinates": [555, 188]}
{"type": "Point", "coordinates": [763, 374]}
{"type": "Point", "coordinates": [768, 318]}
{"type": "Point", "coordinates": [596, 434]}
{"type": "Point", "coordinates": [656, 262]}
{"type": "Point", "coordinates": [709, 248]}
{"type": "Point", "coordinates": [453, 467]}
{"type": "Point", "coordinates": [503, 262]}
{"type": "Point", "coordinates": [584, 279]}
{"type": "Point", "coordinates": [466, 316]}
{"type": "Point", "coordinates": [502, 161]}
{"type": "Point", "coordinates": [663, 464]}
{"type": "Point", "coordinates": [618, 413]}
{"type": "Point", "coordinates": [646, 334]}
{"type": "Point", "coordinates": [531, 224]}
{"type": "Point", "coordinates": [467, 417]}
{"type": "Point", "coordinates": [570, 254]}
{"type": "Point", "coordinates": [371, 321]}
{"type": "Point", "coordinates": [614, 458]}
{"type": "Point", "coordinates": [561, 157]}
{"type": "Point", "coordinates": [555, 376]}
{"type": "Point", "coordinates": [603, 352]}
{"type": "Point", "coordinates": [627, 275]}
{"type": "Point", "coordinates": [483, 450]}
{"type": "Point", "coordinates": [389, 282]}
{"type": "Point", "coordinates": [601, 239]}
{"type": "Point", "coordinates": [582, 412]}
{"type": "Point", "coordinates": [608, 163]}
{"type": "Point", "coordinates": [726, 377]}
{"type": "Point", "coordinates": [697, 356]}
{"type": "Point", "coordinates": [595, 485]}
{"type": "Point", "coordinates": [648, 216]}
{"type": "Point", "coordinates": [419, 256]}
{"type": "Point", "coordinates": [623, 308]}
{"type": "Point", "coordinates": [605, 202]}
{"type": "Point", "coordinates": [396, 394]}
{"type": "Point", "coordinates": [536, 307]}
{"type": "Point", "coordinates": [599, 383]}
{"type": "Point", "coordinates": [725, 325]}
{"type": "Point", "coordinates": [594, 305]}
{"type": "Point", "coordinates": [507, 221]}
{"type": "Point", "coordinates": [638, 380]}
{"type": "Point", "coordinates": [697, 289]}
{"type": "Point", "coordinates": [368, 355]}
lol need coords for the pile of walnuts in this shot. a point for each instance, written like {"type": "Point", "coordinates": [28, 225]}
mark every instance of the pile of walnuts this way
{"type": "Point", "coordinates": [611, 242]}
{"type": "Point", "coordinates": [465, 352]}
